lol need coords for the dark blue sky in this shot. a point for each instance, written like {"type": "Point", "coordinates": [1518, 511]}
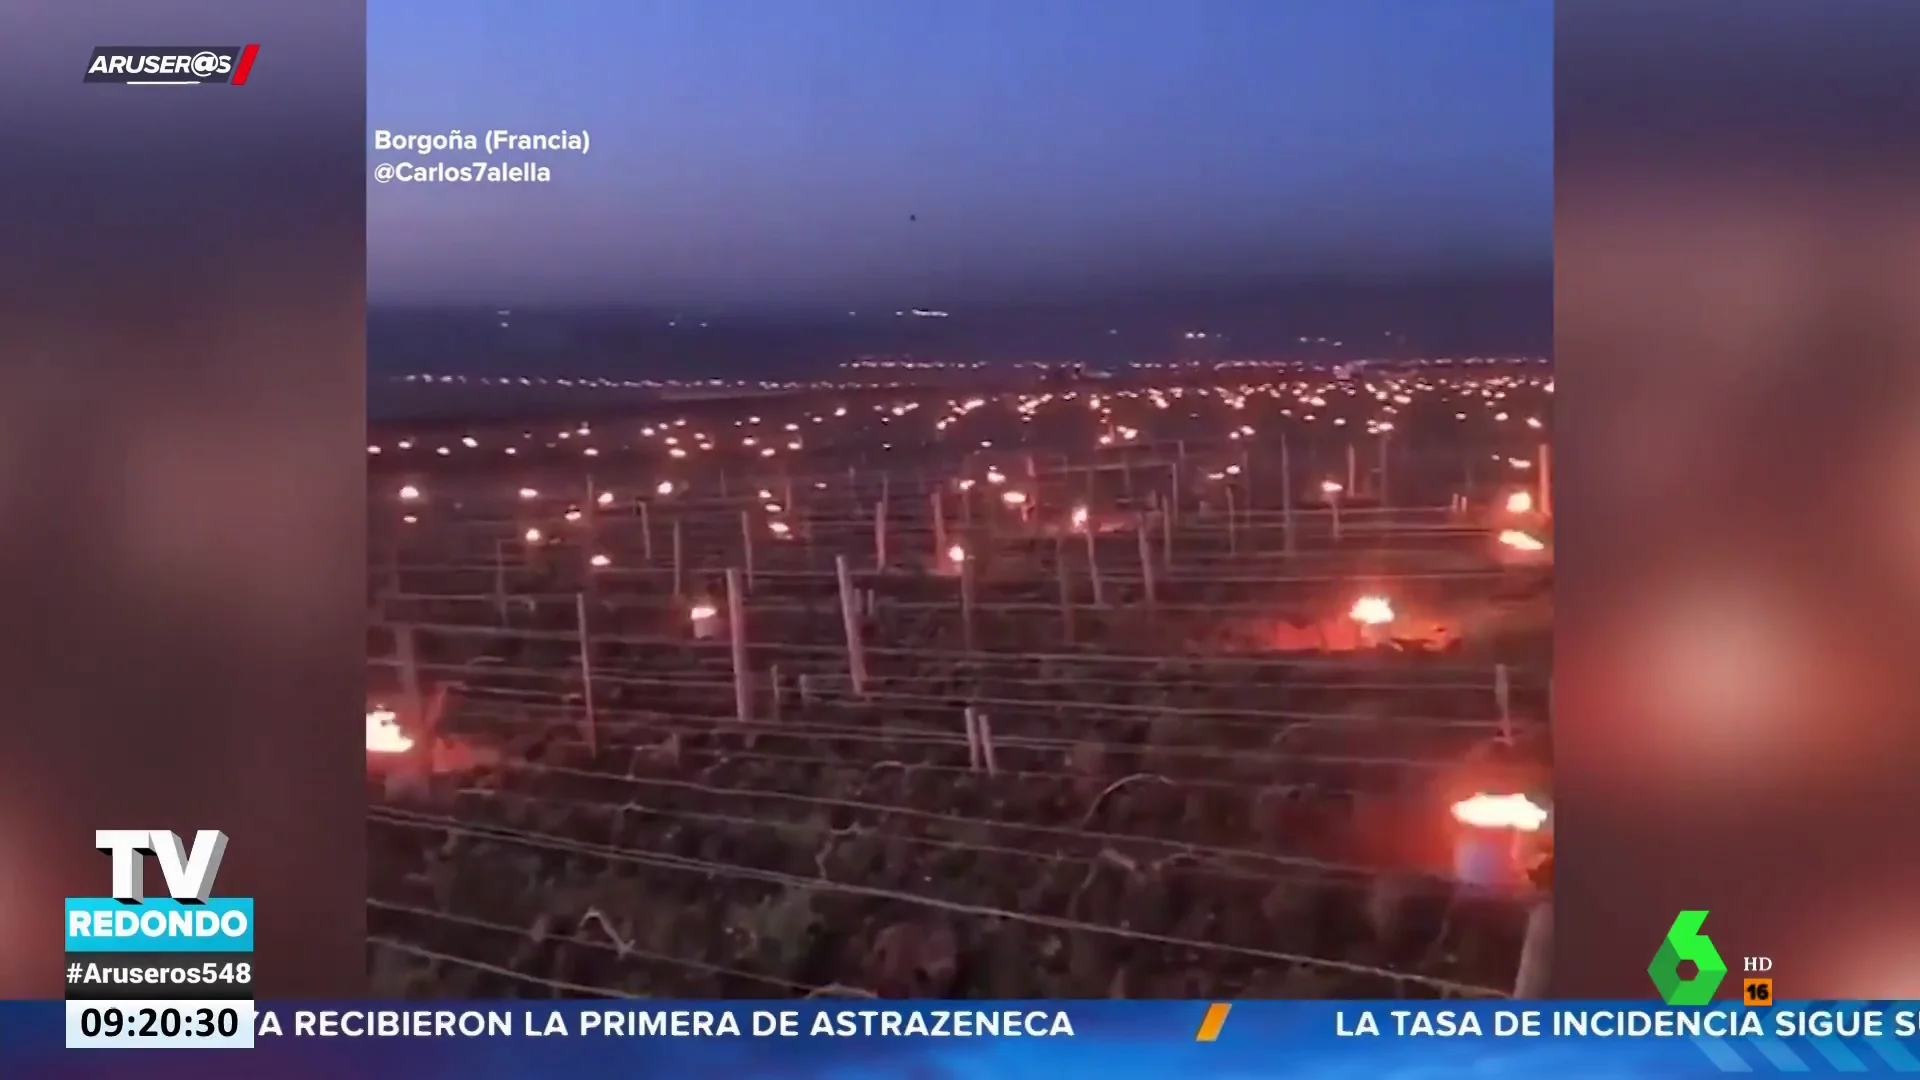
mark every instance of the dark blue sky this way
{"type": "Point", "coordinates": [752, 152]}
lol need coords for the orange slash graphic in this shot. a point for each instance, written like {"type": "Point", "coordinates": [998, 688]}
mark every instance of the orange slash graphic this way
{"type": "Point", "coordinates": [1211, 1024]}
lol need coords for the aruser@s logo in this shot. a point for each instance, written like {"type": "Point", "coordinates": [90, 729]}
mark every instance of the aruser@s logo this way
{"type": "Point", "coordinates": [1685, 942]}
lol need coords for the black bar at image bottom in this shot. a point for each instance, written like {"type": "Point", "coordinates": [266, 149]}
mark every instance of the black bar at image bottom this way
{"type": "Point", "coordinates": [105, 976]}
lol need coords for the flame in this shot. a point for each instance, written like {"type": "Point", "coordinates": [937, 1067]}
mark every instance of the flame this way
{"type": "Point", "coordinates": [600, 561]}
{"type": "Point", "coordinates": [409, 493]}
{"type": "Point", "coordinates": [1485, 811]}
{"type": "Point", "coordinates": [1372, 611]}
{"type": "Point", "coordinates": [1520, 502]}
{"type": "Point", "coordinates": [702, 612]}
{"type": "Point", "coordinates": [1079, 517]}
{"type": "Point", "coordinates": [533, 536]}
{"type": "Point", "coordinates": [529, 493]}
{"type": "Point", "coordinates": [956, 554]}
{"type": "Point", "coordinates": [1014, 498]}
{"type": "Point", "coordinates": [1520, 541]}
{"type": "Point", "coordinates": [383, 732]}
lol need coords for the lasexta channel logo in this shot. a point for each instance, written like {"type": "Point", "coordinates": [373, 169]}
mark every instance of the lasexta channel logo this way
{"type": "Point", "coordinates": [1685, 942]}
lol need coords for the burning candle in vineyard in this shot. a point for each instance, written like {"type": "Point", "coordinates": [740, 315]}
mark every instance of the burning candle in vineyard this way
{"type": "Point", "coordinates": [529, 493]}
{"type": "Point", "coordinates": [663, 488]}
{"type": "Point", "coordinates": [1520, 541]}
{"type": "Point", "coordinates": [383, 732]}
{"type": "Point", "coordinates": [1372, 611]}
{"type": "Point", "coordinates": [1375, 616]}
{"type": "Point", "coordinates": [572, 514]}
{"type": "Point", "coordinates": [1499, 836]}
{"type": "Point", "coordinates": [1520, 502]}
{"type": "Point", "coordinates": [780, 529]}
{"type": "Point", "coordinates": [956, 557]}
{"type": "Point", "coordinates": [532, 536]}
{"type": "Point", "coordinates": [605, 498]}
{"type": "Point", "coordinates": [409, 493]}
{"type": "Point", "coordinates": [706, 621]}
{"type": "Point", "coordinates": [600, 562]}
{"type": "Point", "coordinates": [1080, 518]}
{"type": "Point", "coordinates": [1511, 811]}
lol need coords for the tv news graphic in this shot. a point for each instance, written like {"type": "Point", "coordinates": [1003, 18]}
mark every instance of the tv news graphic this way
{"type": "Point", "coordinates": [166, 972]}
{"type": "Point", "coordinates": [698, 1040]}
{"type": "Point", "coordinates": [172, 65]}
{"type": "Point", "coordinates": [159, 1025]}
{"type": "Point", "coordinates": [177, 976]}
{"type": "Point", "coordinates": [1683, 942]}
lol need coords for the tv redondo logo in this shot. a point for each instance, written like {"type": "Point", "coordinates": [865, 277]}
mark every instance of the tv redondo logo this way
{"type": "Point", "coordinates": [172, 65]}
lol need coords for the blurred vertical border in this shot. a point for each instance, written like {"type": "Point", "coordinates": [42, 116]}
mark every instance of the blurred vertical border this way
{"type": "Point", "coordinates": [1738, 412]}
{"type": "Point", "coordinates": [182, 357]}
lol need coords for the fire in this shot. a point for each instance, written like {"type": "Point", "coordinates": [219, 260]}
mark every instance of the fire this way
{"type": "Point", "coordinates": [1014, 498]}
{"type": "Point", "coordinates": [383, 732]}
{"type": "Point", "coordinates": [1515, 812]}
{"type": "Point", "coordinates": [1080, 517]}
{"type": "Point", "coordinates": [1520, 502]}
{"type": "Point", "coordinates": [1520, 541]}
{"type": "Point", "coordinates": [1372, 611]}
{"type": "Point", "coordinates": [956, 554]}
{"type": "Point", "coordinates": [702, 612]}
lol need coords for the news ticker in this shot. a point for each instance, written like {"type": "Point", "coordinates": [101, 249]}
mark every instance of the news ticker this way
{"type": "Point", "coordinates": [670, 1040]}
{"type": "Point", "coordinates": [129, 1024]}
{"type": "Point", "coordinates": [173, 976]}
{"type": "Point", "coordinates": [105, 925]}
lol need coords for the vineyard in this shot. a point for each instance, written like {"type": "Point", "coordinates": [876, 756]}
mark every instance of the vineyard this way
{"type": "Point", "coordinates": [1156, 693]}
